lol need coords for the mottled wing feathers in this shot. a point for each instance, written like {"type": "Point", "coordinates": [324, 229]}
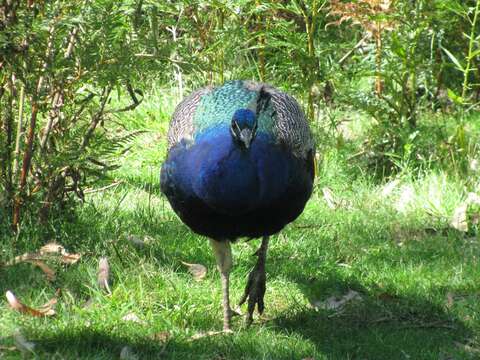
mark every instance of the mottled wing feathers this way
{"type": "Point", "coordinates": [181, 125]}
{"type": "Point", "coordinates": [290, 126]}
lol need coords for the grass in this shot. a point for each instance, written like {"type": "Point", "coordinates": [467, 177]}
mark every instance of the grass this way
{"type": "Point", "coordinates": [416, 278]}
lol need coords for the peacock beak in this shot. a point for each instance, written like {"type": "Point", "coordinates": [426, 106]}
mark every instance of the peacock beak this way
{"type": "Point", "coordinates": [246, 136]}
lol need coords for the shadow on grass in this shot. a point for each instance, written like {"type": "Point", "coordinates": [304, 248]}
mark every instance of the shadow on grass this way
{"type": "Point", "coordinates": [99, 345]}
{"type": "Point", "coordinates": [404, 328]}
{"type": "Point", "coordinates": [378, 326]}
{"type": "Point", "coordinates": [151, 186]}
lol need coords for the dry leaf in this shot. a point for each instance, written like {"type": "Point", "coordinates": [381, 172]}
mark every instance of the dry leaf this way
{"type": "Point", "coordinates": [366, 13]}
{"type": "Point", "coordinates": [128, 354]}
{"type": "Point", "coordinates": [88, 303]}
{"type": "Point", "coordinates": [148, 239]}
{"type": "Point", "coordinates": [450, 300]}
{"type": "Point", "coordinates": [385, 296]}
{"type": "Point", "coordinates": [46, 252]}
{"type": "Point", "coordinates": [198, 271]}
{"type": "Point", "coordinates": [133, 318]}
{"type": "Point", "coordinates": [475, 219]}
{"type": "Point", "coordinates": [23, 258]}
{"type": "Point", "coordinates": [70, 259]}
{"type": "Point", "coordinates": [48, 306]}
{"type": "Point", "coordinates": [103, 274]}
{"type": "Point", "coordinates": [329, 199]}
{"type": "Point", "coordinates": [459, 218]}
{"type": "Point", "coordinates": [52, 248]}
{"type": "Point", "coordinates": [23, 344]}
{"type": "Point", "coordinates": [162, 336]}
{"type": "Point", "coordinates": [44, 310]}
{"type": "Point", "coordinates": [332, 202]}
{"type": "Point", "coordinates": [6, 348]}
{"type": "Point", "coordinates": [335, 303]}
{"type": "Point", "coordinates": [139, 242]}
{"type": "Point", "coordinates": [201, 335]}
{"type": "Point", "coordinates": [49, 272]}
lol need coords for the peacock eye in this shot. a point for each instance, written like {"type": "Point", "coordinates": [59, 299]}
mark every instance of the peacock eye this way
{"type": "Point", "coordinates": [237, 128]}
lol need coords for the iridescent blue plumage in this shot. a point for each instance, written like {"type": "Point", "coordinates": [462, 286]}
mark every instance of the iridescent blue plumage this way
{"type": "Point", "coordinates": [240, 163]}
{"type": "Point", "coordinates": [244, 117]}
{"type": "Point", "coordinates": [225, 191]}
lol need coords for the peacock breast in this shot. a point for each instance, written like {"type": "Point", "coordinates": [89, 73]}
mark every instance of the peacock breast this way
{"type": "Point", "coordinates": [233, 180]}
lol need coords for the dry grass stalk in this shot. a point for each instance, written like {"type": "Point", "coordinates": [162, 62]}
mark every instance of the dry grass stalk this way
{"type": "Point", "coordinates": [372, 16]}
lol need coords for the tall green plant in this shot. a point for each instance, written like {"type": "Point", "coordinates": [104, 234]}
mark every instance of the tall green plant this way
{"type": "Point", "coordinates": [465, 65]}
{"type": "Point", "coordinates": [61, 63]}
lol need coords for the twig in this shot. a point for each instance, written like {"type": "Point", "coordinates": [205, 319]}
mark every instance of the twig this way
{"type": "Point", "coordinates": [84, 103]}
{"type": "Point", "coordinates": [91, 191]}
{"type": "Point", "coordinates": [56, 103]}
{"type": "Point", "coordinates": [360, 153]}
{"type": "Point", "coordinates": [71, 43]}
{"type": "Point", "coordinates": [131, 92]}
{"type": "Point", "coordinates": [8, 128]}
{"type": "Point", "coordinates": [27, 157]}
{"type": "Point", "coordinates": [96, 118]}
{"type": "Point", "coordinates": [117, 252]}
{"type": "Point", "coordinates": [132, 106]}
{"type": "Point", "coordinates": [348, 54]}
{"type": "Point", "coordinates": [19, 131]}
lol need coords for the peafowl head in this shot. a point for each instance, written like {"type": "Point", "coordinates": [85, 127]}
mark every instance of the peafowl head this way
{"type": "Point", "coordinates": [245, 121]}
{"type": "Point", "coordinates": [244, 127]}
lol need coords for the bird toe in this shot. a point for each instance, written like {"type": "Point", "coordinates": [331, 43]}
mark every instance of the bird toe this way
{"type": "Point", "coordinates": [254, 293]}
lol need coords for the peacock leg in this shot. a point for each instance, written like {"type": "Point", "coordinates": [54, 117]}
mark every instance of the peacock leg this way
{"type": "Point", "coordinates": [223, 255]}
{"type": "Point", "coordinates": [255, 289]}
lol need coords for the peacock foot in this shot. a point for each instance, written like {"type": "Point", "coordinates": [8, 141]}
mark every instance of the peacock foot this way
{"type": "Point", "coordinates": [254, 291]}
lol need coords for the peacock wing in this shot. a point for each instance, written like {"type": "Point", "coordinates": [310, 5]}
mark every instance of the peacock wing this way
{"type": "Point", "coordinates": [181, 125]}
{"type": "Point", "coordinates": [286, 120]}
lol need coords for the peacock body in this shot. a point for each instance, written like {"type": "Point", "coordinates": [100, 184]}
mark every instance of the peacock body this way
{"type": "Point", "coordinates": [224, 191]}
{"type": "Point", "coordinates": [240, 164]}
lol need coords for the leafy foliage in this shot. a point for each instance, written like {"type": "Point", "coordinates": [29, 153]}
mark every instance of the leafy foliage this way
{"type": "Point", "coordinates": [69, 69]}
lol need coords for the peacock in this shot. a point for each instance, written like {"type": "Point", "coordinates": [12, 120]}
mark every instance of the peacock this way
{"type": "Point", "coordinates": [240, 164]}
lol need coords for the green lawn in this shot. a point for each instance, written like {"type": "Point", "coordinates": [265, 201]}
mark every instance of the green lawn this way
{"type": "Point", "coordinates": [416, 279]}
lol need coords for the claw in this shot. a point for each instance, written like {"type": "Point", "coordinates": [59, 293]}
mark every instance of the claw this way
{"type": "Point", "coordinates": [255, 288]}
